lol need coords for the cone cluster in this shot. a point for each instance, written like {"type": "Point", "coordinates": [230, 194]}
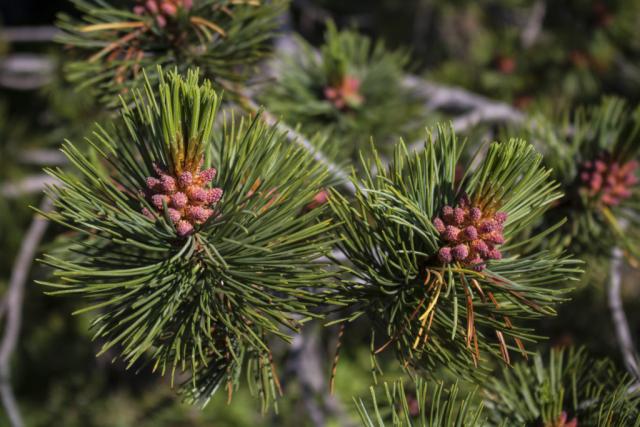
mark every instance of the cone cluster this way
{"type": "Point", "coordinates": [608, 180]}
{"type": "Point", "coordinates": [188, 198]}
{"type": "Point", "coordinates": [346, 94]}
{"type": "Point", "coordinates": [162, 10]}
{"type": "Point", "coordinates": [470, 236]}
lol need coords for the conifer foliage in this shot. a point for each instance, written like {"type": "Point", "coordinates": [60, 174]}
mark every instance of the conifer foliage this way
{"type": "Point", "coordinates": [351, 88]}
{"type": "Point", "coordinates": [424, 404]}
{"type": "Point", "coordinates": [595, 155]}
{"type": "Point", "coordinates": [114, 41]}
{"type": "Point", "coordinates": [201, 241]}
{"type": "Point", "coordinates": [200, 282]}
{"type": "Point", "coordinates": [436, 257]}
{"type": "Point", "coordinates": [569, 389]}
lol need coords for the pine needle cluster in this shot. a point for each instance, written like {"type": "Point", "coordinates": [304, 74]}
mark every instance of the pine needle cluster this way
{"type": "Point", "coordinates": [595, 154]}
{"type": "Point", "coordinates": [115, 41]}
{"type": "Point", "coordinates": [568, 389]}
{"type": "Point", "coordinates": [436, 311]}
{"type": "Point", "coordinates": [207, 302]}
{"type": "Point", "coordinates": [351, 89]}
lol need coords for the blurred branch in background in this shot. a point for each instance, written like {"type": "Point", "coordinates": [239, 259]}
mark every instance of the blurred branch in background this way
{"type": "Point", "coordinates": [623, 332]}
{"type": "Point", "coordinates": [533, 26]}
{"type": "Point", "coordinates": [305, 364]}
{"type": "Point", "coordinates": [12, 302]}
{"type": "Point", "coordinates": [26, 71]}
{"type": "Point", "coordinates": [29, 185]}
{"type": "Point", "coordinates": [29, 34]}
{"type": "Point", "coordinates": [42, 157]}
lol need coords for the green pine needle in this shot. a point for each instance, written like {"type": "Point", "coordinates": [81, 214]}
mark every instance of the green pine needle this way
{"type": "Point", "coordinates": [207, 303]}
{"type": "Point", "coordinates": [449, 315]}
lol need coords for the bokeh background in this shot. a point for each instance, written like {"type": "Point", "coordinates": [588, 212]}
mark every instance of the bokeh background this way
{"type": "Point", "coordinates": [547, 56]}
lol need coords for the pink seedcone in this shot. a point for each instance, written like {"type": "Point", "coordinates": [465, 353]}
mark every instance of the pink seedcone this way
{"type": "Point", "coordinates": [600, 166]}
{"type": "Point", "coordinates": [460, 252]}
{"type": "Point", "coordinates": [468, 235]}
{"type": "Point", "coordinates": [444, 255]}
{"type": "Point", "coordinates": [458, 216]}
{"type": "Point", "coordinates": [161, 21]}
{"type": "Point", "coordinates": [214, 195]}
{"type": "Point", "coordinates": [447, 212]}
{"type": "Point", "coordinates": [451, 233]}
{"type": "Point", "coordinates": [187, 198]}
{"type": "Point", "coordinates": [152, 183]}
{"type": "Point", "coordinates": [197, 194]}
{"type": "Point", "coordinates": [152, 6]}
{"type": "Point", "coordinates": [607, 180]}
{"type": "Point", "coordinates": [494, 254]}
{"type": "Point", "coordinates": [168, 8]}
{"type": "Point", "coordinates": [439, 225]}
{"type": "Point", "coordinates": [480, 246]}
{"type": "Point", "coordinates": [477, 263]}
{"type": "Point", "coordinates": [174, 215]}
{"type": "Point", "coordinates": [185, 179]}
{"type": "Point", "coordinates": [494, 237]}
{"type": "Point", "coordinates": [487, 226]}
{"type": "Point", "coordinates": [475, 214]}
{"type": "Point", "coordinates": [158, 200]}
{"type": "Point", "coordinates": [184, 228]}
{"type": "Point", "coordinates": [208, 175]}
{"type": "Point", "coordinates": [500, 217]}
{"type": "Point", "coordinates": [198, 214]}
{"type": "Point", "coordinates": [179, 200]}
{"type": "Point", "coordinates": [471, 232]}
{"type": "Point", "coordinates": [168, 183]}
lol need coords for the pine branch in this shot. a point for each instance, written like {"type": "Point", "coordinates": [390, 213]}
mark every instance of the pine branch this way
{"type": "Point", "coordinates": [29, 34]}
{"type": "Point", "coordinates": [427, 248]}
{"type": "Point", "coordinates": [193, 278]}
{"type": "Point", "coordinates": [13, 301]}
{"type": "Point", "coordinates": [623, 333]}
{"type": "Point", "coordinates": [29, 185]}
{"type": "Point", "coordinates": [567, 390]}
{"type": "Point", "coordinates": [115, 42]}
{"type": "Point", "coordinates": [595, 155]}
{"type": "Point", "coordinates": [350, 88]}
{"type": "Point", "coordinates": [294, 136]}
{"type": "Point", "coordinates": [425, 404]}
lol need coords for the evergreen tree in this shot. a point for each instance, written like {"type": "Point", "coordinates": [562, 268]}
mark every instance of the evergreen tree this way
{"type": "Point", "coordinates": [201, 241]}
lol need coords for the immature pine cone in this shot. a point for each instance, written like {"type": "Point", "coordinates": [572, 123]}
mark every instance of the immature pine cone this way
{"type": "Point", "coordinates": [188, 199]}
{"type": "Point", "coordinates": [470, 236]}
{"type": "Point", "coordinates": [162, 10]}
{"type": "Point", "coordinates": [346, 94]}
{"type": "Point", "coordinates": [608, 180]}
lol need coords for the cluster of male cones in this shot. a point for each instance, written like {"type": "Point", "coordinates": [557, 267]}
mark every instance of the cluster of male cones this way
{"type": "Point", "coordinates": [470, 236]}
{"type": "Point", "coordinates": [608, 180]}
{"type": "Point", "coordinates": [188, 199]}
{"type": "Point", "coordinates": [162, 10]}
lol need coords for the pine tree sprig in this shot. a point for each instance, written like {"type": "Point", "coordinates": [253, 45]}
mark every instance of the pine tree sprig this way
{"type": "Point", "coordinates": [568, 389]}
{"type": "Point", "coordinates": [114, 42]}
{"type": "Point", "coordinates": [595, 154]}
{"type": "Point", "coordinates": [425, 404]}
{"type": "Point", "coordinates": [446, 284]}
{"type": "Point", "coordinates": [350, 88]}
{"type": "Point", "coordinates": [203, 280]}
